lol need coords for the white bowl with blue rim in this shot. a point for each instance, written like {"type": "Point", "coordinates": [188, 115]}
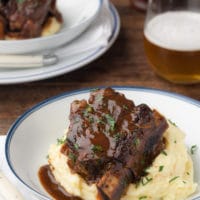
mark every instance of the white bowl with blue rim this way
{"type": "Point", "coordinates": [77, 16]}
{"type": "Point", "coordinates": [31, 135]}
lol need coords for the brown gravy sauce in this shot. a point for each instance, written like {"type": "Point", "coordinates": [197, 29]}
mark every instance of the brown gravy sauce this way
{"type": "Point", "coordinates": [52, 186]}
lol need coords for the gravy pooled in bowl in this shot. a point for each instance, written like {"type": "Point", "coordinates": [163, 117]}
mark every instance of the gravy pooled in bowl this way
{"type": "Point", "coordinates": [24, 19]}
{"type": "Point", "coordinates": [110, 144]}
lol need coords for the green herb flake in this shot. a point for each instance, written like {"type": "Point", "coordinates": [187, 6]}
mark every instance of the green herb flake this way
{"type": "Point", "coordinates": [87, 110]}
{"type": "Point", "coordinates": [188, 173]}
{"type": "Point", "coordinates": [142, 197]}
{"type": "Point", "coordinates": [20, 1]}
{"type": "Point", "coordinates": [72, 157]}
{"type": "Point", "coordinates": [97, 148]}
{"type": "Point", "coordinates": [100, 121]}
{"type": "Point", "coordinates": [47, 157]}
{"type": "Point", "coordinates": [164, 153]}
{"type": "Point", "coordinates": [91, 119]}
{"type": "Point", "coordinates": [173, 179]}
{"type": "Point", "coordinates": [136, 142]}
{"type": "Point", "coordinates": [117, 136]}
{"type": "Point", "coordinates": [146, 180]}
{"type": "Point", "coordinates": [171, 122]}
{"type": "Point", "coordinates": [76, 146]}
{"type": "Point", "coordinates": [125, 107]}
{"type": "Point", "coordinates": [184, 182]}
{"type": "Point", "coordinates": [110, 121]}
{"type": "Point", "coordinates": [161, 168]}
{"type": "Point", "coordinates": [193, 149]}
{"type": "Point", "coordinates": [61, 141]}
{"type": "Point", "coordinates": [99, 97]}
{"type": "Point", "coordinates": [175, 142]}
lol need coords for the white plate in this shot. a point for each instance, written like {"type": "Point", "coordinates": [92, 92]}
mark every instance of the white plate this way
{"type": "Point", "coordinates": [31, 135]}
{"type": "Point", "coordinates": [66, 64]}
{"type": "Point", "coordinates": [77, 16]}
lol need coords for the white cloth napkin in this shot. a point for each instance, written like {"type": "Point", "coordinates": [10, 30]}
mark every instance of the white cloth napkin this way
{"type": "Point", "coordinates": [6, 171]}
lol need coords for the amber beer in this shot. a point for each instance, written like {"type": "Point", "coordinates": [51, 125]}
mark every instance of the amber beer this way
{"type": "Point", "coordinates": [172, 45]}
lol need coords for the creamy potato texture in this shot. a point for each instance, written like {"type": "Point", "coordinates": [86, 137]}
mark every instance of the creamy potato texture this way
{"type": "Point", "coordinates": [169, 178]}
{"type": "Point", "coordinates": [51, 27]}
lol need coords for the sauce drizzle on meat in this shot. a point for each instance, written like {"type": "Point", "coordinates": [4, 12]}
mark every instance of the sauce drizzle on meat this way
{"type": "Point", "coordinates": [111, 141]}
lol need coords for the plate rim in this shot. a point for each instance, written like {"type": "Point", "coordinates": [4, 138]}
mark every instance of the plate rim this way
{"type": "Point", "coordinates": [63, 95]}
{"type": "Point", "coordinates": [64, 69]}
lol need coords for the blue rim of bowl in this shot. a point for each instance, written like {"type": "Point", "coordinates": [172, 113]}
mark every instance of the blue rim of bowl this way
{"type": "Point", "coordinates": [100, 2]}
{"type": "Point", "coordinates": [86, 60]}
{"type": "Point", "coordinates": [40, 105]}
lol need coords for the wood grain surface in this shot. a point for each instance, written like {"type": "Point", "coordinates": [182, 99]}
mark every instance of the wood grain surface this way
{"type": "Point", "coordinates": [125, 64]}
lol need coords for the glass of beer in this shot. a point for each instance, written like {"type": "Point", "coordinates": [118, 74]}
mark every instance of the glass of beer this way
{"type": "Point", "coordinates": [172, 39]}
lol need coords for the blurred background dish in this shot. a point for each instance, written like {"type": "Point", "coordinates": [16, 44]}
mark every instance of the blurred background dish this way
{"type": "Point", "coordinates": [108, 21]}
{"type": "Point", "coordinates": [77, 16]}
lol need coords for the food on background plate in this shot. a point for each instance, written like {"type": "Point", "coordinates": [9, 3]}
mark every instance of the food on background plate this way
{"type": "Point", "coordinates": [23, 19]}
{"type": "Point", "coordinates": [116, 150]}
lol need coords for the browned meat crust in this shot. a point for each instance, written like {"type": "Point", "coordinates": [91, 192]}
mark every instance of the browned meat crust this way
{"type": "Point", "coordinates": [111, 141]}
{"type": "Point", "coordinates": [26, 18]}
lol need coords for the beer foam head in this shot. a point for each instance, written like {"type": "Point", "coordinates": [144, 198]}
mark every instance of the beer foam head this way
{"type": "Point", "coordinates": [176, 30]}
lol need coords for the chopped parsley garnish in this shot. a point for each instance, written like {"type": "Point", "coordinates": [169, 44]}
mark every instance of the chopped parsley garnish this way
{"type": "Point", "coordinates": [175, 141]}
{"type": "Point", "coordinates": [146, 180]}
{"type": "Point", "coordinates": [110, 121]}
{"type": "Point", "coordinates": [161, 168]}
{"type": "Point", "coordinates": [76, 146]}
{"type": "Point", "coordinates": [61, 141]}
{"type": "Point", "coordinates": [20, 1]}
{"type": "Point", "coordinates": [72, 157]}
{"type": "Point", "coordinates": [193, 149]}
{"type": "Point", "coordinates": [117, 136]}
{"type": "Point", "coordinates": [184, 182]}
{"type": "Point", "coordinates": [164, 153]}
{"type": "Point", "coordinates": [91, 119]}
{"type": "Point", "coordinates": [173, 179]}
{"type": "Point", "coordinates": [99, 97]}
{"type": "Point", "coordinates": [136, 141]}
{"type": "Point", "coordinates": [87, 110]}
{"type": "Point", "coordinates": [188, 173]}
{"type": "Point", "coordinates": [142, 197]}
{"type": "Point", "coordinates": [171, 122]}
{"type": "Point", "coordinates": [97, 148]}
{"type": "Point", "coordinates": [100, 121]}
{"type": "Point", "coordinates": [47, 157]}
{"type": "Point", "coordinates": [125, 107]}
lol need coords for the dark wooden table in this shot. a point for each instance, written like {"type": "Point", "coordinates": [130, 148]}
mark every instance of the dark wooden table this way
{"type": "Point", "coordinates": [124, 64]}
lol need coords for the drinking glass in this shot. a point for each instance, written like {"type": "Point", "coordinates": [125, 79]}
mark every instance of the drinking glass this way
{"type": "Point", "coordinates": [172, 39]}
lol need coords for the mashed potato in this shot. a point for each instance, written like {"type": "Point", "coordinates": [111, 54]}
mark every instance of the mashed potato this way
{"type": "Point", "coordinates": [51, 27]}
{"type": "Point", "coordinates": [169, 178]}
